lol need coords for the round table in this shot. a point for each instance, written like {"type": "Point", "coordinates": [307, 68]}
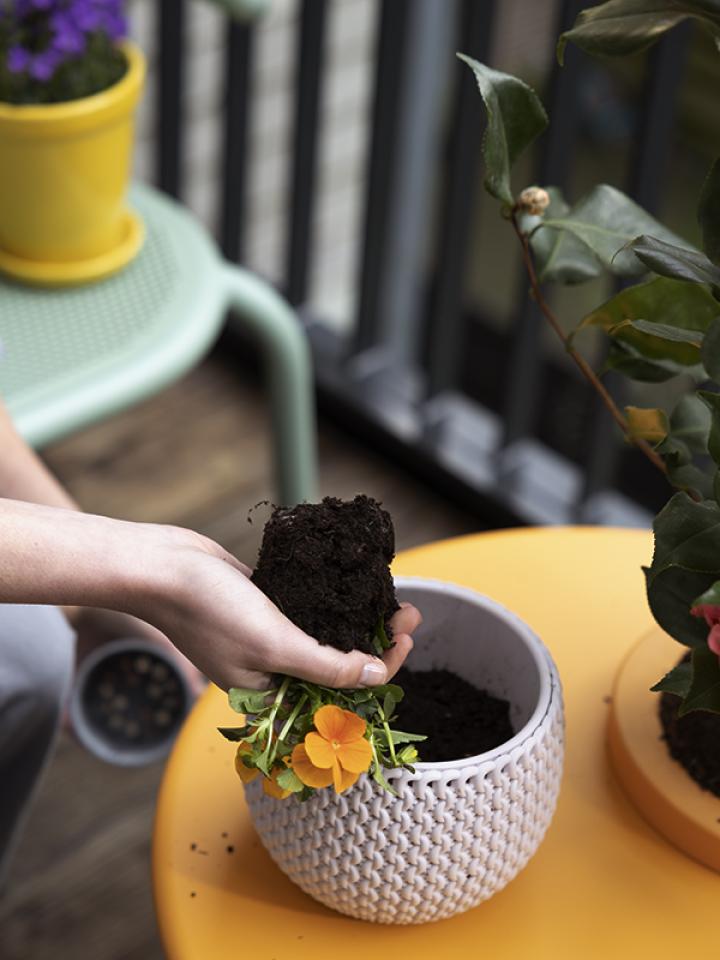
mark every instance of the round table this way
{"type": "Point", "coordinates": [603, 883]}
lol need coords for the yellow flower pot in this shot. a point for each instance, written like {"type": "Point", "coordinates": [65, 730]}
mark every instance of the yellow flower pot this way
{"type": "Point", "coordinates": [64, 169]}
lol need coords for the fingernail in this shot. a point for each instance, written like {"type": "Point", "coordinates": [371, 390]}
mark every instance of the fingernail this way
{"type": "Point", "coordinates": [372, 674]}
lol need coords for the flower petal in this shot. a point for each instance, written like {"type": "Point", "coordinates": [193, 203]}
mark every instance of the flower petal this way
{"type": "Point", "coordinates": [246, 774]}
{"type": "Point", "coordinates": [714, 639]}
{"type": "Point", "coordinates": [356, 756]}
{"type": "Point", "coordinates": [347, 779]}
{"type": "Point", "coordinates": [310, 775]}
{"type": "Point", "coordinates": [272, 789]}
{"type": "Point", "coordinates": [711, 612]}
{"type": "Point", "coordinates": [319, 750]}
{"type": "Point", "coordinates": [337, 773]}
{"type": "Point", "coordinates": [334, 723]}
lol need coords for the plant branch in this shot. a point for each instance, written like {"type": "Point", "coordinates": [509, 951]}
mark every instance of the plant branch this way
{"type": "Point", "coordinates": [582, 364]}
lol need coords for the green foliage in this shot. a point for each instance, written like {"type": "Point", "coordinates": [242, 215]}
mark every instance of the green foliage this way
{"type": "Point", "coordinates": [559, 254]}
{"type": "Point", "coordinates": [620, 27]}
{"type": "Point", "coordinates": [515, 117]}
{"type": "Point", "coordinates": [709, 212]}
{"type": "Point", "coordinates": [665, 326]}
{"type": "Point", "coordinates": [606, 222]}
{"type": "Point", "coordinates": [278, 720]}
{"type": "Point", "coordinates": [680, 262]}
{"type": "Point", "coordinates": [662, 320]}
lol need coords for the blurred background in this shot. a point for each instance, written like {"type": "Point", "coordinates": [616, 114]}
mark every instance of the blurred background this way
{"type": "Point", "coordinates": [334, 148]}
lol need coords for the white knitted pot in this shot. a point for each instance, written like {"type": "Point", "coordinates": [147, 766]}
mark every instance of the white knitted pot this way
{"type": "Point", "coordinates": [459, 830]}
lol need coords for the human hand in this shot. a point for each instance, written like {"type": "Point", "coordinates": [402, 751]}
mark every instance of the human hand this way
{"type": "Point", "coordinates": [212, 612]}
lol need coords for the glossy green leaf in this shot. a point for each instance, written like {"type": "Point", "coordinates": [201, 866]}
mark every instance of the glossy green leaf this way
{"type": "Point", "coordinates": [682, 473]}
{"type": "Point", "coordinates": [607, 222]}
{"type": "Point", "coordinates": [711, 351]}
{"type": "Point", "coordinates": [712, 401]}
{"type": "Point", "coordinates": [680, 262]}
{"type": "Point", "coordinates": [620, 27]}
{"type": "Point", "coordinates": [626, 360]}
{"type": "Point", "coordinates": [247, 701]}
{"type": "Point", "coordinates": [711, 596]}
{"type": "Point", "coordinates": [690, 423]}
{"type": "Point", "coordinates": [709, 212]}
{"type": "Point", "coordinates": [662, 319]}
{"type": "Point", "coordinates": [399, 737]}
{"type": "Point", "coordinates": [678, 680]}
{"type": "Point", "coordinates": [515, 117]}
{"type": "Point", "coordinates": [233, 733]}
{"type": "Point", "coordinates": [687, 534]}
{"type": "Point", "coordinates": [704, 692]}
{"type": "Point", "coordinates": [559, 255]}
{"type": "Point", "coordinates": [670, 595]}
{"type": "Point", "coordinates": [647, 423]}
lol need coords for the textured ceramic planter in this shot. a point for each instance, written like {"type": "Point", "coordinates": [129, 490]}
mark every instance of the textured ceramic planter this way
{"type": "Point", "coordinates": [64, 170]}
{"type": "Point", "coordinates": [458, 831]}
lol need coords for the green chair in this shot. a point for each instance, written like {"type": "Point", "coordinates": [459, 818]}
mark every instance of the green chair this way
{"type": "Point", "coordinates": [73, 356]}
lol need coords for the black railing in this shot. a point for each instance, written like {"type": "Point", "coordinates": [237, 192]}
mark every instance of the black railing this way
{"type": "Point", "coordinates": [410, 383]}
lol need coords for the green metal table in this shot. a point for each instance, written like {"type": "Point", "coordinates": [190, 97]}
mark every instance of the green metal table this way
{"type": "Point", "coordinates": [71, 357]}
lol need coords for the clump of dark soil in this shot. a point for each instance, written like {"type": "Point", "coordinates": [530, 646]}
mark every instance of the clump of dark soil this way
{"type": "Point", "coordinates": [327, 567]}
{"type": "Point", "coordinates": [458, 719]}
{"type": "Point", "coordinates": [693, 740]}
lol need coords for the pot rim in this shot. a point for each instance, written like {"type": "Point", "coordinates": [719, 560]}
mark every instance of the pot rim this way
{"type": "Point", "coordinates": [44, 118]}
{"type": "Point", "coordinates": [549, 682]}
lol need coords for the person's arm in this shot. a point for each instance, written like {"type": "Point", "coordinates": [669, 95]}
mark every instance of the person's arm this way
{"type": "Point", "coordinates": [187, 586]}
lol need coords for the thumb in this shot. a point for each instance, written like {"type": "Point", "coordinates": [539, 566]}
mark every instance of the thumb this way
{"type": "Point", "coordinates": [332, 668]}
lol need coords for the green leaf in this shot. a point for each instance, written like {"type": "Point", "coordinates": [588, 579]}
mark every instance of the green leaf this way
{"type": "Point", "coordinates": [711, 351]}
{"type": "Point", "coordinates": [687, 534]}
{"type": "Point", "coordinates": [670, 595]}
{"type": "Point", "coordinates": [709, 212]}
{"type": "Point", "coordinates": [679, 262]}
{"type": "Point", "coordinates": [559, 255]}
{"type": "Point", "coordinates": [379, 778]}
{"type": "Point", "coordinates": [389, 689]}
{"type": "Point", "coordinates": [661, 320]}
{"type": "Point", "coordinates": [515, 117]}
{"type": "Point", "coordinates": [647, 423]}
{"type": "Point", "coordinates": [690, 423]}
{"type": "Point", "coordinates": [243, 700]}
{"type": "Point", "coordinates": [620, 27]}
{"type": "Point", "coordinates": [607, 221]}
{"type": "Point", "coordinates": [711, 596]}
{"type": "Point", "coordinates": [678, 680]}
{"type": "Point", "coordinates": [233, 733]}
{"type": "Point", "coordinates": [712, 401]}
{"type": "Point", "coordinates": [288, 780]}
{"type": "Point", "coordinates": [628, 361]}
{"type": "Point", "coordinates": [704, 692]}
{"type": "Point", "coordinates": [400, 737]}
{"type": "Point", "coordinates": [682, 473]}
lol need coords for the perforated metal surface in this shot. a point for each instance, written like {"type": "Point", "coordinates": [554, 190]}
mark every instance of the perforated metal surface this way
{"type": "Point", "coordinates": [70, 356]}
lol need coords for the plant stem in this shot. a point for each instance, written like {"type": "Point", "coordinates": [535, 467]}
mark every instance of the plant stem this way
{"type": "Point", "coordinates": [293, 716]}
{"type": "Point", "coordinates": [279, 696]}
{"type": "Point", "coordinates": [582, 364]}
{"type": "Point", "coordinates": [391, 745]}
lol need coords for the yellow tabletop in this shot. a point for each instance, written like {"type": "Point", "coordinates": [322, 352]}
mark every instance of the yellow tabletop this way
{"type": "Point", "coordinates": [602, 885]}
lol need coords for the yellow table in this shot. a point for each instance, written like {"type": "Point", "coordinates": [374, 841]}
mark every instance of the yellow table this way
{"type": "Point", "coordinates": [603, 884]}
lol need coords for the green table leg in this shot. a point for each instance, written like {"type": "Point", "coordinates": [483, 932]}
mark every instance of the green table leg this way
{"type": "Point", "coordinates": [289, 367]}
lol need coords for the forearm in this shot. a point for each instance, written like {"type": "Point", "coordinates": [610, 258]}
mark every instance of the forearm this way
{"type": "Point", "coordinates": [23, 475]}
{"type": "Point", "coordinates": [57, 556]}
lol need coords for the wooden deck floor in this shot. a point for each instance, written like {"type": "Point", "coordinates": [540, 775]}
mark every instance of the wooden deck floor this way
{"type": "Point", "coordinates": [197, 455]}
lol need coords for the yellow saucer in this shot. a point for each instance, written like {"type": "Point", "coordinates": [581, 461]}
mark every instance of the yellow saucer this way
{"type": "Point", "coordinates": [663, 792]}
{"type": "Point", "coordinates": [62, 274]}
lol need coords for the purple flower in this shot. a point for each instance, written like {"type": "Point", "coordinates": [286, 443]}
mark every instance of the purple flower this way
{"type": "Point", "coordinates": [18, 59]}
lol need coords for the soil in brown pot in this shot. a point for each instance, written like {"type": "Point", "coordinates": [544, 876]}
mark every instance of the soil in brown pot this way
{"type": "Point", "coordinates": [327, 567]}
{"type": "Point", "coordinates": [693, 740]}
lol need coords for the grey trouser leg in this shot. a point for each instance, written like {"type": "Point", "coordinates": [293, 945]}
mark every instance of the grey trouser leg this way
{"type": "Point", "coordinates": [37, 653]}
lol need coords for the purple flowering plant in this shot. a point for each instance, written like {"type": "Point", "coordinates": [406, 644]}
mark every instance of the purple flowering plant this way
{"type": "Point", "coordinates": [57, 50]}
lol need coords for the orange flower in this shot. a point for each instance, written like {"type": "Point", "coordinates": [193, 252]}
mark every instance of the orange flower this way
{"type": "Point", "coordinates": [338, 753]}
{"type": "Point", "coordinates": [246, 774]}
{"type": "Point", "coordinates": [271, 786]}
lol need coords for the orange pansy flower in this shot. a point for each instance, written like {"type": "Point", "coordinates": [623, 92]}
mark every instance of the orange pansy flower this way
{"type": "Point", "coordinates": [272, 788]}
{"type": "Point", "coordinates": [246, 774]}
{"type": "Point", "coordinates": [337, 753]}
